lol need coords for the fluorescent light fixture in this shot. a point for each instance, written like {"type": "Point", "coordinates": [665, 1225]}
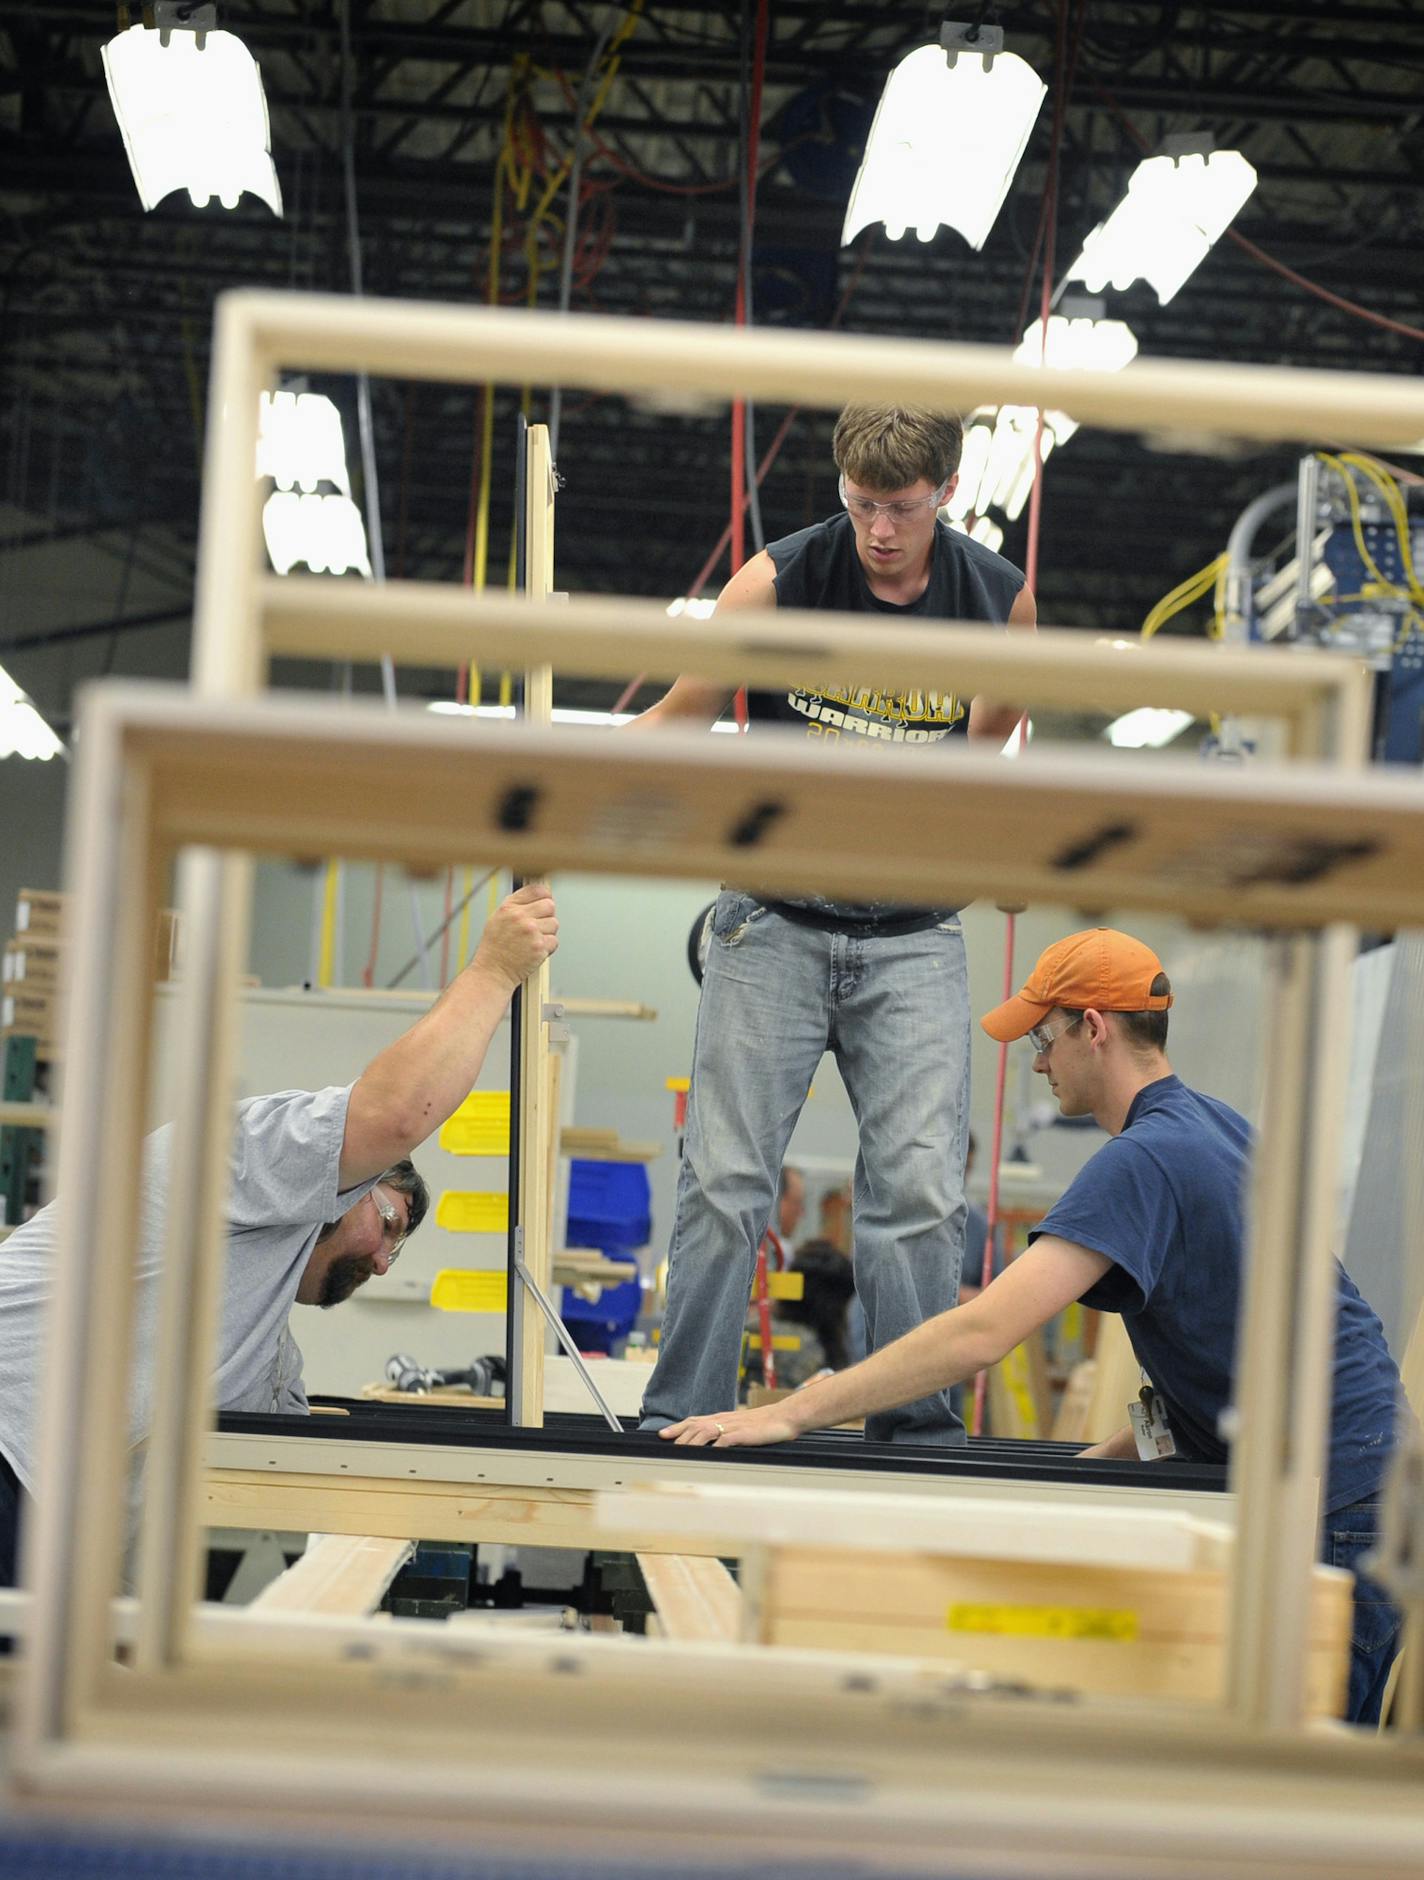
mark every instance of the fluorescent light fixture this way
{"type": "Point", "coordinates": [973, 463]}
{"type": "Point", "coordinates": [1149, 726]}
{"type": "Point", "coordinates": [1078, 345]}
{"type": "Point", "coordinates": [193, 114]}
{"type": "Point", "coordinates": [1174, 210]}
{"type": "Point", "coordinates": [300, 442]}
{"type": "Point", "coordinates": [301, 445]}
{"type": "Point", "coordinates": [948, 135]}
{"type": "Point", "coordinates": [1003, 459]}
{"type": "Point", "coordinates": [996, 467]}
{"type": "Point", "coordinates": [23, 733]}
{"type": "Point", "coordinates": [987, 531]}
{"type": "Point", "coordinates": [325, 532]}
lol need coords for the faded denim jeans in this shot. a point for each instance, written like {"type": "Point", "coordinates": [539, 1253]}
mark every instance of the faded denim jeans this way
{"type": "Point", "coordinates": [894, 1011]}
{"type": "Point", "coordinates": [1348, 1535]}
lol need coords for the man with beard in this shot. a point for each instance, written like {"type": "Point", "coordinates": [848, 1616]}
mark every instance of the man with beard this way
{"type": "Point", "coordinates": [322, 1196]}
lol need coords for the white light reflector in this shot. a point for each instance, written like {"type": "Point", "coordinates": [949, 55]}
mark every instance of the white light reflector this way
{"type": "Point", "coordinates": [23, 733]}
{"type": "Point", "coordinates": [300, 442]}
{"type": "Point", "coordinates": [192, 120]}
{"type": "Point", "coordinates": [1162, 229]}
{"type": "Point", "coordinates": [1149, 725]}
{"type": "Point", "coordinates": [944, 146]}
{"type": "Point", "coordinates": [325, 532]}
{"type": "Point", "coordinates": [1078, 345]}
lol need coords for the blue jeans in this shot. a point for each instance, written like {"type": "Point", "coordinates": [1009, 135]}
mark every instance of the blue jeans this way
{"type": "Point", "coordinates": [1349, 1533]}
{"type": "Point", "coordinates": [776, 995]}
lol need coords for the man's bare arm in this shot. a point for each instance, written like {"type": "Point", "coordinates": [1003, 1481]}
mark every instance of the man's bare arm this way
{"type": "Point", "coordinates": [693, 701]}
{"type": "Point", "coordinates": [407, 1092]}
{"type": "Point", "coordinates": [1121, 1446]}
{"type": "Point", "coordinates": [986, 719]}
{"type": "Point", "coordinates": [941, 1352]}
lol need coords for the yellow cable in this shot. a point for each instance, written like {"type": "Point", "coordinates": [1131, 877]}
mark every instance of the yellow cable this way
{"type": "Point", "coordinates": [1341, 470]}
{"type": "Point", "coordinates": [1217, 625]}
{"type": "Point", "coordinates": [326, 958]}
{"type": "Point", "coordinates": [1193, 585]}
{"type": "Point", "coordinates": [1183, 595]}
{"type": "Point", "coordinates": [1170, 605]}
{"type": "Point", "coordinates": [1395, 504]}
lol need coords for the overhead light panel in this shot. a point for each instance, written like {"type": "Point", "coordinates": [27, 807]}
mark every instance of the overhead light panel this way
{"type": "Point", "coordinates": [996, 467]}
{"type": "Point", "coordinates": [23, 733]}
{"type": "Point", "coordinates": [949, 132]}
{"type": "Point", "coordinates": [301, 446]}
{"type": "Point", "coordinates": [1175, 208]}
{"type": "Point", "coordinates": [1149, 726]}
{"type": "Point", "coordinates": [190, 104]}
{"type": "Point", "coordinates": [1078, 344]}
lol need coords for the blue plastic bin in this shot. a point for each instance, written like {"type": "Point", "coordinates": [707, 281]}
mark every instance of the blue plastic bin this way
{"type": "Point", "coordinates": [610, 1205]}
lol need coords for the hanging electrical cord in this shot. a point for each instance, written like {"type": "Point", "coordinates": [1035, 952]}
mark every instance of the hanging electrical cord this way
{"type": "Point", "coordinates": [566, 264]}
{"type": "Point", "coordinates": [1351, 460]}
{"type": "Point", "coordinates": [773, 451]}
{"type": "Point", "coordinates": [370, 484]}
{"type": "Point", "coordinates": [1249, 247]}
{"type": "Point", "coordinates": [753, 74]}
{"type": "Point", "coordinates": [459, 908]}
{"type": "Point", "coordinates": [743, 467]}
{"type": "Point", "coordinates": [1184, 595]}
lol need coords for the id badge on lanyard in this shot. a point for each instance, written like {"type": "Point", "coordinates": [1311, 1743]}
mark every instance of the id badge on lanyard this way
{"type": "Point", "coordinates": [1150, 1429]}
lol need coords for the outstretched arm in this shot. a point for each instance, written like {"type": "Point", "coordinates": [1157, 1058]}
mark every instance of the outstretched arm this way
{"type": "Point", "coordinates": [941, 1352]}
{"type": "Point", "coordinates": [1121, 1446]}
{"type": "Point", "coordinates": [423, 1078]}
{"type": "Point", "coordinates": [701, 702]}
{"type": "Point", "coordinates": [990, 720]}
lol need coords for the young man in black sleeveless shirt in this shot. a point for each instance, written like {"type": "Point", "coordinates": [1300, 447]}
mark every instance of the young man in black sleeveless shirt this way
{"type": "Point", "coordinates": [883, 987]}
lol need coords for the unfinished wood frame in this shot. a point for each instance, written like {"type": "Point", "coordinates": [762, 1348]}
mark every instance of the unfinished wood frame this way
{"type": "Point", "coordinates": [531, 1223]}
{"type": "Point", "coordinates": [1294, 850]}
{"type": "Point", "coordinates": [161, 772]}
{"type": "Point", "coordinates": [548, 1498]}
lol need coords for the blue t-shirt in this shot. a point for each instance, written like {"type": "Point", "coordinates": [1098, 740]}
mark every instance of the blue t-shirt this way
{"type": "Point", "coordinates": [1165, 1202]}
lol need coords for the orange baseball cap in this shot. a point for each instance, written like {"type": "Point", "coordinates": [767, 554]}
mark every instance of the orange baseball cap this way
{"type": "Point", "coordinates": [1100, 967]}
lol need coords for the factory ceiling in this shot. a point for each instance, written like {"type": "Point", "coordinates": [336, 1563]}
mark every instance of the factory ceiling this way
{"type": "Point", "coordinates": [105, 311]}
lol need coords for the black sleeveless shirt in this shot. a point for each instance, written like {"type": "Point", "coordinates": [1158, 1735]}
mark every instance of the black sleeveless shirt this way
{"type": "Point", "coordinates": [819, 567]}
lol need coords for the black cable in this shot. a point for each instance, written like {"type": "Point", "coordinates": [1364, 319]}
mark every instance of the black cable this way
{"type": "Point", "coordinates": [744, 263]}
{"type": "Point", "coordinates": [453, 915]}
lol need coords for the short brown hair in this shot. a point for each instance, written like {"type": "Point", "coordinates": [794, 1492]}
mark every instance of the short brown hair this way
{"type": "Point", "coordinates": [887, 447]}
{"type": "Point", "coordinates": [1145, 1031]}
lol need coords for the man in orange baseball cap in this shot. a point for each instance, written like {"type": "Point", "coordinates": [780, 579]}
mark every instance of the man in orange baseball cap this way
{"type": "Point", "coordinates": [1100, 967]}
{"type": "Point", "coordinates": [1152, 1227]}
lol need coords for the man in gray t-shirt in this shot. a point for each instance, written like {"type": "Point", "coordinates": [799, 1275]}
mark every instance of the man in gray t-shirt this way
{"type": "Point", "coordinates": [321, 1196]}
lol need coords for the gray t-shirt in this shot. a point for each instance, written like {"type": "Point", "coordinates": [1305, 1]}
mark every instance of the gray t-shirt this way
{"type": "Point", "coordinates": [284, 1173]}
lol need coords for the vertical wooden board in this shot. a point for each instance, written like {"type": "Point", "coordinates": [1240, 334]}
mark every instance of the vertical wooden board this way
{"type": "Point", "coordinates": [534, 1083]}
{"type": "Point", "coordinates": [73, 1547]}
{"type": "Point", "coordinates": [1116, 1380]}
{"type": "Point", "coordinates": [215, 889]}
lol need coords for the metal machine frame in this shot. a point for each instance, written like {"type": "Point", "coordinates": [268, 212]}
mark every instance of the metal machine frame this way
{"type": "Point", "coordinates": [1301, 849]}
